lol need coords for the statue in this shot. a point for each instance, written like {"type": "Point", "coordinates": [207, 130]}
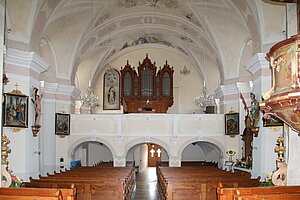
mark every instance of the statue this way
{"type": "Point", "coordinates": [254, 110]}
{"type": "Point", "coordinates": [111, 95]}
{"type": "Point", "coordinates": [36, 100]}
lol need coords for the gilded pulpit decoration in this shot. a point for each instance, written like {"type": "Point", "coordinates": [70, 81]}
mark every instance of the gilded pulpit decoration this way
{"type": "Point", "coordinates": [5, 150]}
{"type": "Point", "coordinates": [280, 148]}
{"type": "Point", "coordinates": [279, 176]}
{"type": "Point", "coordinates": [282, 100]}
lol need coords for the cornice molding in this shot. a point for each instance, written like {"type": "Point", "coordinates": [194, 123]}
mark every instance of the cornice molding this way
{"type": "Point", "coordinates": [256, 63]}
{"type": "Point", "coordinates": [30, 60]}
{"type": "Point", "coordinates": [57, 89]}
{"type": "Point", "coordinates": [224, 90]}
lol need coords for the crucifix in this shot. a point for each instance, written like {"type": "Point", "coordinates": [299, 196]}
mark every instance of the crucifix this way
{"type": "Point", "coordinates": [152, 151]}
{"type": "Point", "coordinates": [158, 152]}
{"type": "Point", "coordinates": [16, 85]}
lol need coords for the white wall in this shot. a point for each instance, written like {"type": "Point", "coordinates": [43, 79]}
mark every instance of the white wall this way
{"type": "Point", "coordinates": [90, 153]}
{"type": "Point", "coordinates": [200, 151]}
{"type": "Point", "coordinates": [134, 155]}
{"type": "Point", "coordinates": [98, 152]}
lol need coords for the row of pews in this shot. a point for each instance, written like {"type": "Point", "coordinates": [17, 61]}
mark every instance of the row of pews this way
{"type": "Point", "coordinates": [259, 193]}
{"type": "Point", "coordinates": [37, 194]}
{"type": "Point", "coordinates": [198, 182]}
{"type": "Point", "coordinates": [204, 181]}
{"type": "Point", "coordinates": [91, 183]}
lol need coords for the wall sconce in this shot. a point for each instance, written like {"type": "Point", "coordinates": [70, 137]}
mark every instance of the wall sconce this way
{"type": "Point", "coordinates": [185, 71]}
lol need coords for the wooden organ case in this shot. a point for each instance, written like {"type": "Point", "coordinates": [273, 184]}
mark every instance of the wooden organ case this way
{"type": "Point", "coordinates": [146, 91]}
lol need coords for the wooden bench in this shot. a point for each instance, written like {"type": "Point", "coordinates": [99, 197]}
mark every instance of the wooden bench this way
{"type": "Point", "coordinates": [251, 193]}
{"type": "Point", "coordinates": [92, 182]}
{"type": "Point", "coordinates": [197, 182]}
{"type": "Point", "coordinates": [30, 194]}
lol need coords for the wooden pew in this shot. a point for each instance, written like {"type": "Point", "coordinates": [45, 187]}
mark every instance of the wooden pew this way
{"type": "Point", "coordinates": [251, 193]}
{"type": "Point", "coordinates": [100, 182]}
{"type": "Point", "coordinates": [197, 182]}
{"type": "Point", "coordinates": [30, 194]}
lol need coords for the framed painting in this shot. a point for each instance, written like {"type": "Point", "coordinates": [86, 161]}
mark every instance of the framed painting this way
{"type": "Point", "coordinates": [62, 124]}
{"type": "Point", "coordinates": [15, 110]}
{"type": "Point", "coordinates": [111, 90]}
{"type": "Point", "coordinates": [273, 121]}
{"type": "Point", "coordinates": [232, 124]}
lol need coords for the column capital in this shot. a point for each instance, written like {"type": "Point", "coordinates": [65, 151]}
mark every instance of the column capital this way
{"type": "Point", "coordinates": [258, 65]}
{"type": "Point", "coordinates": [28, 60]}
{"type": "Point", "coordinates": [225, 90]}
{"type": "Point", "coordinates": [60, 92]}
{"type": "Point", "coordinates": [230, 93]}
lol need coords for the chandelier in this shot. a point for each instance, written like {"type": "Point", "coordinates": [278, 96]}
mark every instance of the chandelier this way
{"type": "Point", "coordinates": [90, 100]}
{"type": "Point", "coordinates": [205, 99]}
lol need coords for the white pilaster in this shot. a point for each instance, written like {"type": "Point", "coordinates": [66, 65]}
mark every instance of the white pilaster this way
{"type": "Point", "coordinates": [24, 68]}
{"type": "Point", "coordinates": [57, 98]}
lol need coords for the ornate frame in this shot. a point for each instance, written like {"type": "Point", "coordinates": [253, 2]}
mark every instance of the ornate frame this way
{"type": "Point", "coordinates": [12, 112]}
{"type": "Point", "coordinates": [232, 124]}
{"type": "Point", "coordinates": [62, 124]}
{"type": "Point", "coordinates": [111, 90]}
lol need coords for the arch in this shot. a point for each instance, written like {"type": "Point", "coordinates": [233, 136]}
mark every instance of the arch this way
{"type": "Point", "coordinates": [151, 140]}
{"type": "Point", "coordinates": [73, 146]}
{"type": "Point", "coordinates": [220, 146]}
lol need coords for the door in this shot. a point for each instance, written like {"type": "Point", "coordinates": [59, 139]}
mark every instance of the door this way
{"type": "Point", "coordinates": [154, 154]}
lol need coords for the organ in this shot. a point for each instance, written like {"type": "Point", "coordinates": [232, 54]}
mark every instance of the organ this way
{"type": "Point", "coordinates": [145, 90]}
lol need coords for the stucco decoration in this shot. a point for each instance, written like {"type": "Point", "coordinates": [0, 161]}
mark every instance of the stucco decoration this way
{"type": "Point", "coordinates": [149, 3]}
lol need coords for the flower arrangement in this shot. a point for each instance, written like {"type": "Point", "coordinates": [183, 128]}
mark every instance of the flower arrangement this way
{"type": "Point", "coordinates": [16, 181]}
{"type": "Point", "coordinates": [267, 181]}
{"type": "Point", "coordinates": [247, 164]}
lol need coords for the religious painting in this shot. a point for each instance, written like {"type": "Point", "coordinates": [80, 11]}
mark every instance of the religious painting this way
{"type": "Point", "coordinates": [273, 121]}
{"type": "Point", "coordinates": [111, 90]}
{"type": "Point", "coordinates": [62, 124]}
{"type": "Point", "coordinates": [232, 124]}
{"type": "Point", "coordinates": [15, 110]}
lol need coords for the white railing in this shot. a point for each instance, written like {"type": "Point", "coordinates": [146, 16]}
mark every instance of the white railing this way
{"type": "Point", "coordinates": [149, 124]}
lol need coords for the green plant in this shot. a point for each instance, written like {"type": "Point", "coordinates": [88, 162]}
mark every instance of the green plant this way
{"type": "Point", "coordinates": [267, 181]}
{"type": "Point", "coordinates": [16, 181]}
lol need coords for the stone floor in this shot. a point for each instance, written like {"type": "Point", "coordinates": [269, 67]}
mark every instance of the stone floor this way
{"type": "Point", "coordinates": [146, 185]}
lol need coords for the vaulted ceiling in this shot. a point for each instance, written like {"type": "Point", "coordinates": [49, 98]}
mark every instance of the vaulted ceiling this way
{"type": "Point", "coordinates": [69, 33]}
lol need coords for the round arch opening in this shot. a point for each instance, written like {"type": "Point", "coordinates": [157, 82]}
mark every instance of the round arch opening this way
{"type": "Point", "coordinates": [201, 151]}
{"type": "Point", "coordinates": [145, 155]}
{"type": "Point", "coordinates": [90, 153]}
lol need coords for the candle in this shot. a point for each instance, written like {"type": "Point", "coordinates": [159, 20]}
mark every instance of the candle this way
{"type": "Point", "coordinates": [204, 85]}
{"type": "Point", "coordinates": [42, 84]}
{"type": "Point", "coordinates": [90, 83]}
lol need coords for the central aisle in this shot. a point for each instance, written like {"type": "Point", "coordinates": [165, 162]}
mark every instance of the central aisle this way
{"type": "Point", "coordinates": [146, 185]}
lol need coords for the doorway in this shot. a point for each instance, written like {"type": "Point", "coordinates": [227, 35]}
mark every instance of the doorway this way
{"type": "Point", "coordinates": [154, 154]}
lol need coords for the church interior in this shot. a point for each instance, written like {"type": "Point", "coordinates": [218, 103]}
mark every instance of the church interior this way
{"type": "Point", "coordinates": [150, 99]}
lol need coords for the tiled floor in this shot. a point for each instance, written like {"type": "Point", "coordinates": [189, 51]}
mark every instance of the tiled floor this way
{"type": "Point", "coordinates": [146, 185]}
